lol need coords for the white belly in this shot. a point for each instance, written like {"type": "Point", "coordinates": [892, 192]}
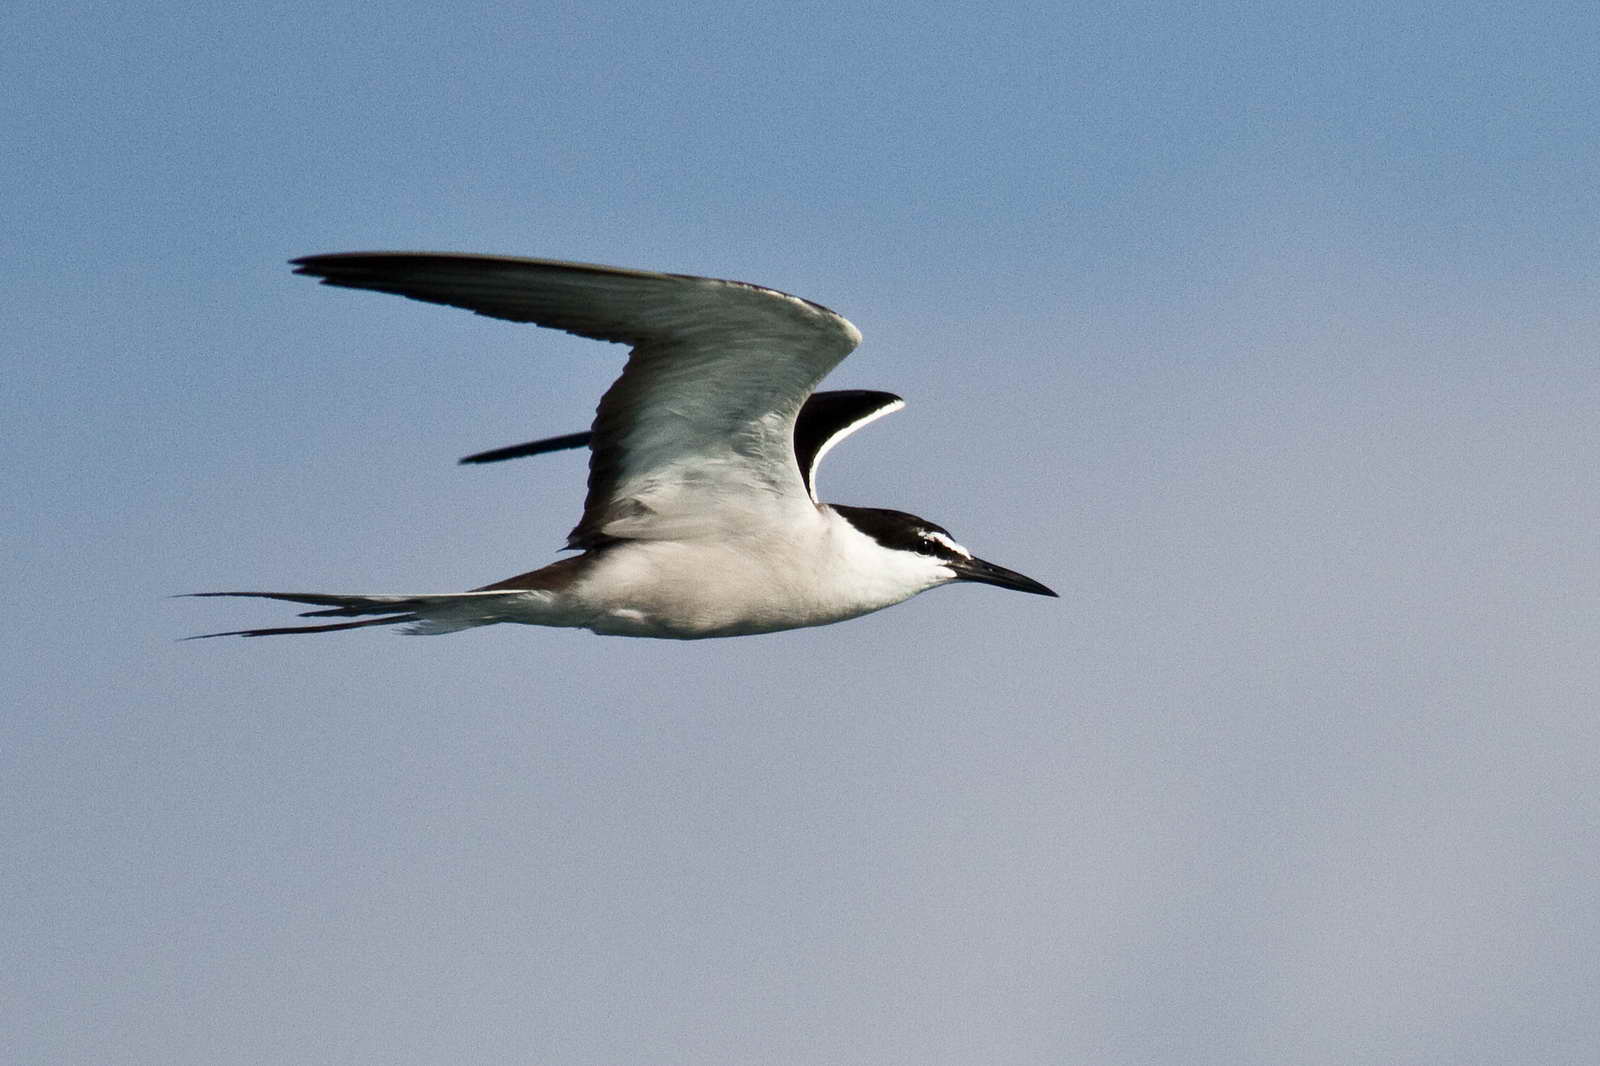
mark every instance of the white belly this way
{"type": "Point", "coordinates": [690, 590]}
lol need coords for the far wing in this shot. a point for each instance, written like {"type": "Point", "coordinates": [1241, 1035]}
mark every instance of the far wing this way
{"type": "Point", "coordinates": [825, 419]}
{"type": "Point", "coordinates": [532, 447]}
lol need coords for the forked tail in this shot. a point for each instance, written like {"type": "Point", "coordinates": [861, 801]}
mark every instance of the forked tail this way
{"type": "Point", "coordinates": [425, 615]}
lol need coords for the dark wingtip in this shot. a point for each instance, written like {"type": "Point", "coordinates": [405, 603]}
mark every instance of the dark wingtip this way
{"type": "Point", "coordinates": [321, 266]}
{"type": "Point", "coordinates": [533, 447]}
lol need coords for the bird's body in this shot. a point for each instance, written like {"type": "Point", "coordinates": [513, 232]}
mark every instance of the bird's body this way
{"type": "Point", "coordinates": [727, 586]}
{"type": "Point", "coordinates": [701, 518]}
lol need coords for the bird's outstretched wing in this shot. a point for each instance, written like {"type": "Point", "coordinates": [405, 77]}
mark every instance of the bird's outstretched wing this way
{"type": "Point", "coordinates": [695, 437]}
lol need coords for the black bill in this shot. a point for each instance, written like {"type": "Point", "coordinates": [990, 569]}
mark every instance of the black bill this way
{"type": "Point", "coordinates": [990, 574]}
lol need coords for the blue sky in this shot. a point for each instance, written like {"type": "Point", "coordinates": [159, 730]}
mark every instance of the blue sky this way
{"type": "Point", "coordinates": [1266, 334]}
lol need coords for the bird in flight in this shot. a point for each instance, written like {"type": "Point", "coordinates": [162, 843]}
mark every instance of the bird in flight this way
{"type": "Point", "coordinates": [702, 518]}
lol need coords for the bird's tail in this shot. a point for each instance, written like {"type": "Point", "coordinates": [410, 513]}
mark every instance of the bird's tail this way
{"type": "Point", "coordinates": [421, 615]}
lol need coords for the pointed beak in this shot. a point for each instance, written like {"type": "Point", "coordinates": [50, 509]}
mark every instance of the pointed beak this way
{"type": "Point", "coordinates": [990, 574]}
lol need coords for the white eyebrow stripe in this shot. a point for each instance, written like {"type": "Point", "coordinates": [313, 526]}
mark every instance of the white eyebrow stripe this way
{"type": "Point", "coordinates": [940, 538]}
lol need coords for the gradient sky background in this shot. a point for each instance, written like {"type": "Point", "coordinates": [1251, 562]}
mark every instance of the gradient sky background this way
{"type": "Point", "coordinates": [1265, 333]}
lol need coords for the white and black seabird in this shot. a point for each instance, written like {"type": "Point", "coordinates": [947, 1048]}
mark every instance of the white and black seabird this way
{"type": "Point", "coordinates": [702, 518]}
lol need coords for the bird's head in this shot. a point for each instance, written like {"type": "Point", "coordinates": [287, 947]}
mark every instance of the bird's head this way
{"type": "Point", "coordinates": [934, 549]}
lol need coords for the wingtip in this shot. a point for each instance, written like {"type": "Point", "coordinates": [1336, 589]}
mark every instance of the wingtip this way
{"type": "Point", "coordinates": [317, 266]}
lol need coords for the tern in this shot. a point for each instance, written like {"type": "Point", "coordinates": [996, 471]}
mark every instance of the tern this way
{"type": "Point", "coordinates": [702, 518]}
